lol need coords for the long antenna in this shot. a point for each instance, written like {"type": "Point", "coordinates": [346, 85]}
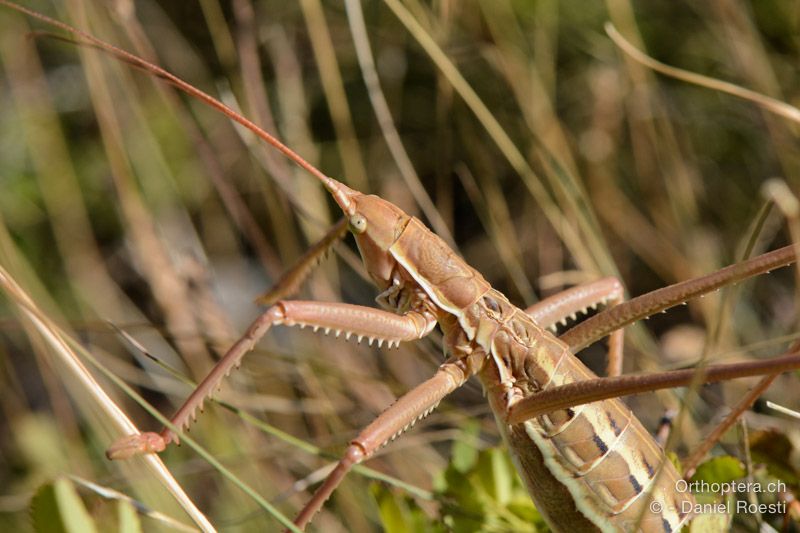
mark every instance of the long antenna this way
{"type": "Point", "coordinates": [332, 185]}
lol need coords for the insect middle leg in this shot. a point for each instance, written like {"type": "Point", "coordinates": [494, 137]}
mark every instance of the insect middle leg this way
{"type": "Point", "coordinates": [412, 406]}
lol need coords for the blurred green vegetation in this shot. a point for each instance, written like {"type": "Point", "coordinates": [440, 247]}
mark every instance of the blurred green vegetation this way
{"type": "Point", "coordinates": [125, 206]}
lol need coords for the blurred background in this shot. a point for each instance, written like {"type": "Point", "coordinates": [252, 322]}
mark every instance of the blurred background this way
{"type": "Point", "coordinates": [534, 146]}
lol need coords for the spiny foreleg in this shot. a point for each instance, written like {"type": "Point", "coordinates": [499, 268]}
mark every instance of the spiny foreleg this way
{"type": "Point", "coordinates": [291, 280]}
{"type": "Point", "coordinates": [347, 319]}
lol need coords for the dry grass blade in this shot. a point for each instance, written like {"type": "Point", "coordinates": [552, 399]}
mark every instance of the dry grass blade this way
{"type": "Point", "coordinates": [771, 104]}
{"type": "Point", "coordinates": [355, 17]}
{"type": "Point", "coordinates": [568, 234]}
{"type": "Point", "coordinates": [69, 360]}
{"type": "Point", "coordinates": [123, 201]}
{"type": "Point", "coordinates": [112, 494]}
{"type": "Point", "coordinates": [784, 410]}
{"type": "Point", "coordinates": [87, 383]}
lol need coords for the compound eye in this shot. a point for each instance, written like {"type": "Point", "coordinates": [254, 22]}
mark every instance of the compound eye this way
{"type": "Point", "coordinates": [358, 223]}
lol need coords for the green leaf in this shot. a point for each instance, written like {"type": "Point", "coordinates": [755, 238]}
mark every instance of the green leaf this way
{"type": "Point", "coordinates": [720, 470]}
{"type": "Point", "coordinates": [496, 475]}
{"type": "Point", "coordinates": [461, 489]}
{"type": "Point", "coordinates": [464, 453]}
{"type": "Point", "coordinates": [710, 523]}
{"type": "Point", "coordinates": [128, 518]}
{"type": "Point", "coordinates": [487, 498]}
{"type": "Point", "coordinates": [775, 450]}
{"type": "Point", "coordinates": [390, 513]}
{"type": "Point", "coordinates": [524, 509]}
{"type": "Point", "coordinates": [676, 461]}
{"type": "Point", "coordinates": [44, 510]}
{"type": "Point", "coordinates": [57, 508]}
{"type": "Point", "coordinates": [399, 513]}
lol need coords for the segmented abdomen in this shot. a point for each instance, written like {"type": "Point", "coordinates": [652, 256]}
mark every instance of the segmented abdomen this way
{"type": "Point", "coordinates": [588, 467]}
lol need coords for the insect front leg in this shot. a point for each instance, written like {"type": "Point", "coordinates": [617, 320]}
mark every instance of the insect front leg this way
{"type": "Point", "coordinates": [579, 299]}
{"type": "Point", "coordinates": [347, 319]}
{"type": "Point", "coordinates": [293, 278]}
{"type": "Point", "coordinates": [413, 406]}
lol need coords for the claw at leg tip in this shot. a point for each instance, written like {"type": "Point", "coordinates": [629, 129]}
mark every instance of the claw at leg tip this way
{"type": "Point", "coordinates": [133, 445]}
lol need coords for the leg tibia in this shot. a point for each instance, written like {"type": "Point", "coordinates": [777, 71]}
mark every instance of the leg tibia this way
{"type": "Point", "coordinates": [594, 390]}
{"type": "Point", "coordinates": [293, 278]}
{"type": "Point", "coordinates": [411, 407]}
{"type": "Point", "coordinates": [578, 299]}
{"type": "Point", "coordinates": [342, 318]}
